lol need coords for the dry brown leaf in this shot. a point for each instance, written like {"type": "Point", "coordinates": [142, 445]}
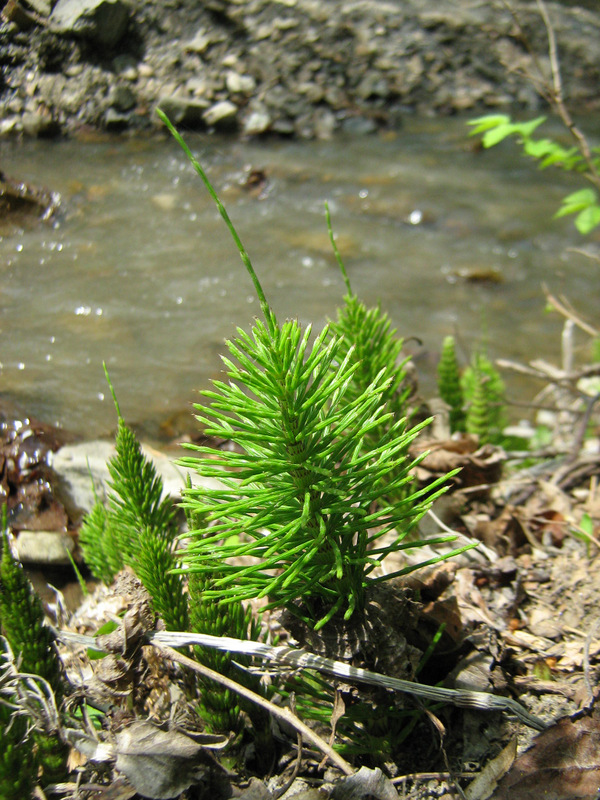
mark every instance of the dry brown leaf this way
{"type": "Point", "coordinates": [485, 783]}
{"type": "Point", "coordinates": [505, 534]}
{"type": "Point", "coordinates": [363, 784]}
{"type": "Point", "coordinates": [562, 764]}
{"type": "Point", "coordinates": [480, 466]}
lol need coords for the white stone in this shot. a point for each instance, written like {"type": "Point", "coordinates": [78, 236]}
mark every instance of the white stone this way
{"type": "Point", "coordinates": [239, 84]}
{"type": "Point", "coordinates": [223, 111]}
{"type": "Point", "coordinates": [44, 547]}
{"type": "Point", "coordinates": [83, 474]}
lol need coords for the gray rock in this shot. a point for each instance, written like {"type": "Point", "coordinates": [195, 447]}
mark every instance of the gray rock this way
{"type": "Point", "coordinates": [122, 98]}
{"type": "Point", "coordinates": [221, 114]}
{"type": "Point", "coordinates": [295, 61]}
{"type": "Point", "coordinates": [258, 121]}
{"type": "Point", "coordinates": [82, 474]}
{"type": "Point", "coordinates": [44, 547]}
{"type": "Point", "coordinates": [239, 84]}
{"type": "Point", "coordinates": [202, 41]}
{"type": "Point", "coordinates": [359, 126]}
{"type": "Point", "coordinates": [115, 120]}
{"type": "Point", "coordinates": [126, 66]}
{"type": "Point", "coordinates": [324, 124]}
{"type": "Point", "coordinates": [9, 125]}
{"type": "Point", "coordinates": [42, 7]}
{"type": "Point", "coordinates": [102, 21]}
{"type": "Point", "coordinates": [37, 123]}
{"type": "Point", "coordinates": [184, 110]}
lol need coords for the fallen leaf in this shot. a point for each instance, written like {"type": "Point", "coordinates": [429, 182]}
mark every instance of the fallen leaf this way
{"type": "Point", "coordinates": [562, 764]}
{"type": "Point", "coordinates": [485, 783]}
{"type": "Point", "coordinates": [159, 764]}
{"type": "Point", "coordinates": [365, 783]}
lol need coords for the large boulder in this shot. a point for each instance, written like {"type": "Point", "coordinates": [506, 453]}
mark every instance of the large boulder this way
{"type": "Point", "coordinates": [102, 21]}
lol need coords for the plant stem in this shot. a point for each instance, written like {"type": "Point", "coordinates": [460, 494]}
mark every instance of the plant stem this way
{"type": "Point", "coordinates": [267, 312]}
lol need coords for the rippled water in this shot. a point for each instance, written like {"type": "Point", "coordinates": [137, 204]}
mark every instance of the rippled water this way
{"type": "Point", "coordinates": [139, 271]}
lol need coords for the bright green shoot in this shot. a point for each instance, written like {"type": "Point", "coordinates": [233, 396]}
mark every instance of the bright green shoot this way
{"type": "Point", "coordinates": [303, 515]}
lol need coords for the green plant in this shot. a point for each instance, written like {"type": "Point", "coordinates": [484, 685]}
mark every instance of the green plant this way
{"type": "Point", "coordinates": [137, 529]}
{"type": "Point", "coordinates": [584, 202]}
{"type": "Point", "coordinates": [449, 387]}
{"type": "Point", "coordinates": [581, 157]}
{"type": "Point", "coordinates": [32, 643]}
{"type": "Point", "coordinates": [367, 337]}
{"type": "Point", "coordinates": [476, 397]}
{"type": "Point", "coordinates": [220, 708]}
{"type": "Point", "coordinates": [18, 768]}
{"type": "Point", "coordinates": [484, 393]}
{"type": "Point", "coordinates": [585, 532]}
{"type": "Point", "coordinates": [301, 510]}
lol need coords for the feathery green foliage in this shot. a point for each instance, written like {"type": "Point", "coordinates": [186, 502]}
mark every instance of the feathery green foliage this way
{"type": "Point", "coordinates": [220, 707]}
{"type": "Point", "coordinates": [32, 642]}
{"type": "Point", "coordinates": [478, 412]}
{"type": "Point", "coordinates": [137, 529]}
{"type": "Point", "coordinates": [366, 335]}
{"type": "Point", "coordinates": [100, 545]}
{"type": "Point", "coordinates": [303, 489]}
{"type": "Point", "coordinates": [304, 499]}
{"type": "Point", "coordinates": [484, 393]}
{"type": "Point", "coordinates": [449, 387]}
{"type": "Point", "coordinates": [18, 768]}
{"type": "Point", "coordinates": [22, 622]}
{"type": "Point", "coordinates": [476, 398]}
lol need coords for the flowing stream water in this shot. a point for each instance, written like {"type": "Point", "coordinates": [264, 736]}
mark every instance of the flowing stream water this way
{"type": "Point", "coordinates": [139, 271]}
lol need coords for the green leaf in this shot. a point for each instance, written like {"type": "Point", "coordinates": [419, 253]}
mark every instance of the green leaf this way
{"type": "Point", "coordinates": [497, 135]}
{"type": "Point", "coordinates": [567, 159]}
{"type": "Point", "coordinates": [587, 524]}
{"type": "Point", "coordinates": [525, 129]}
{"type": "Point", "coordinates": [539, 148]}
{"type": "Point", "coordinates": [577, 201]}
{"type": "Point", "coordinates": [585, 204]}
{"type": "Point", "coordinates": [488, 122]}
{"type": "Point", "coordinates": [496, 127]}
{"type": "Point", "coordinates": [588, 219]}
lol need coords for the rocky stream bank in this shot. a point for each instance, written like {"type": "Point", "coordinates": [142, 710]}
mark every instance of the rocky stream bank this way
{"type": "Point", "coordinates": [293, 67]}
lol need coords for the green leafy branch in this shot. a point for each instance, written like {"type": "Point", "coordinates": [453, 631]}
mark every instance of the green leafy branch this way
{"type": "Point", "coordinates": [581, 157]}
{"type": "Point", "coordinates": [31, 642]}
{"type": "Point", "coordinates": [494, 128]}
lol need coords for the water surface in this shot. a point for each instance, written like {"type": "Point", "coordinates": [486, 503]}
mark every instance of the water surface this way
{"type": "Point", "coordinates": [139, 271]}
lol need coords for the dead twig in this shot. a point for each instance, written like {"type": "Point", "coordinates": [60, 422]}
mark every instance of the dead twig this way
{"type": "Point", "coordinates": [281, 713]}
{"type": "Point", "coordinates": [562, 305]}
{"type": "Point", "coordinates": [557, 97]}
{"type": "Point", "coordinates": [586, 662]}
